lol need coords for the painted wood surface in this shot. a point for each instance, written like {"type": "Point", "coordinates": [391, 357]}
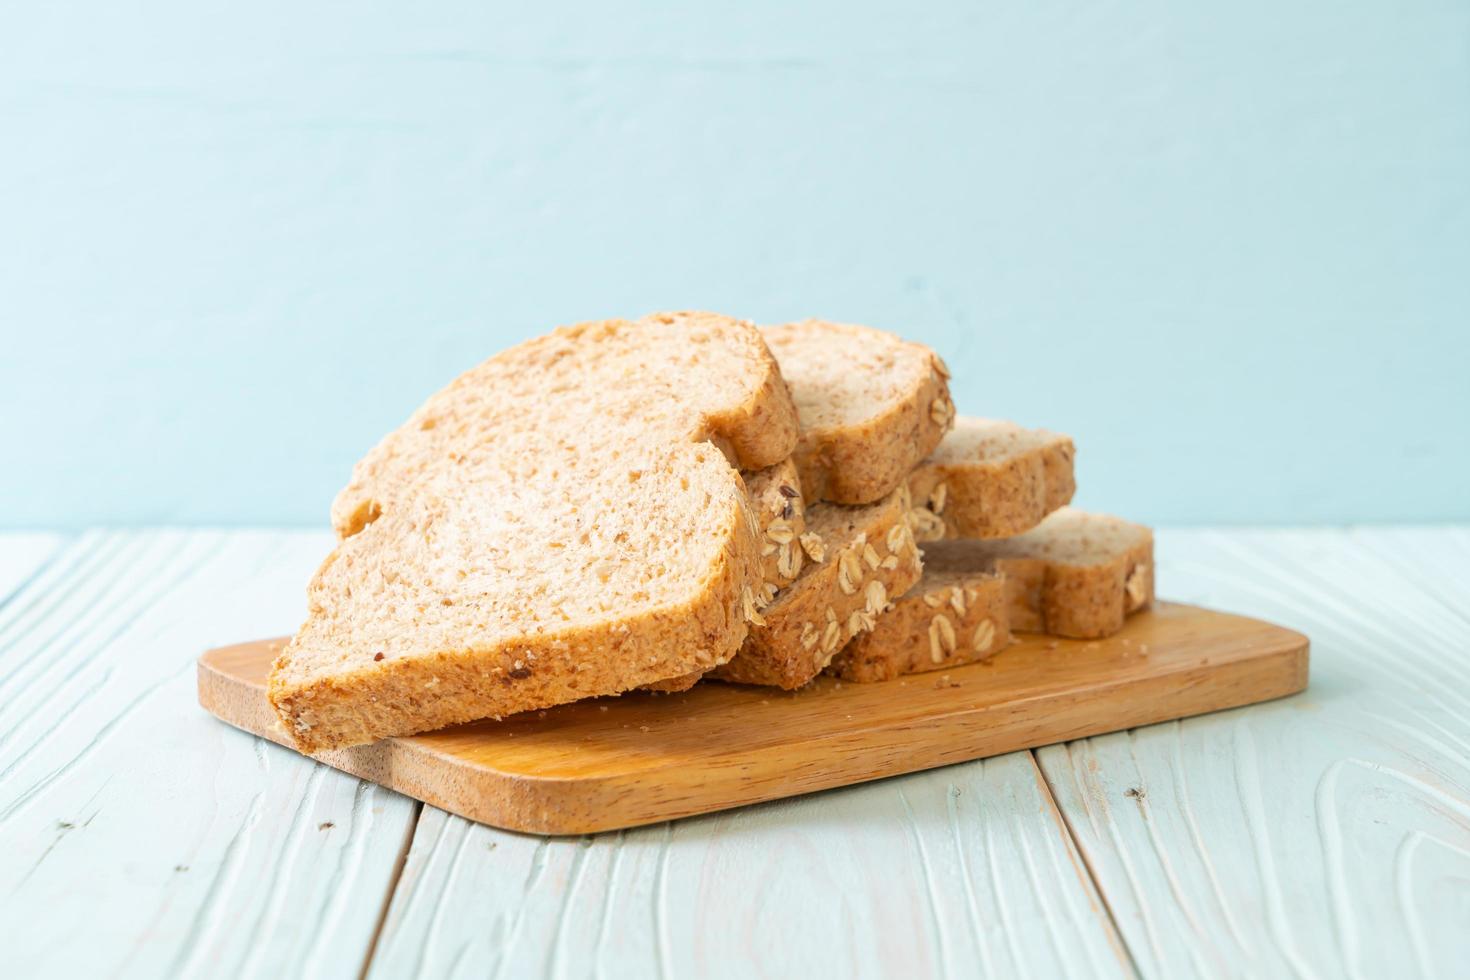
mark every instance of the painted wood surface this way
{"type": "Point", "coordinates": [959, 872]}
{"type": "Point", "coordinates": [1325, 835]}
{"type": "Point", "coordinates": [615, 763]}
{"type": "Point", "coordinates": [137, 836]}
{"type": "Point", "coordinates": [23, 555]}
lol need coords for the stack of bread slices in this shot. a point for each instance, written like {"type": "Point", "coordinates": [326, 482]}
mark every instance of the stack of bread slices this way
{"type": "Point", "coordinates": [688, 498]}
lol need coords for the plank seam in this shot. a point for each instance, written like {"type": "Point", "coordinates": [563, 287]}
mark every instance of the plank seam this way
{"type": "Point", "coordinates": [1120, 941]}
{"type": "Point", "coordinates": [436, 911]}
{"type": "Point", "coordinates": [398, 865]}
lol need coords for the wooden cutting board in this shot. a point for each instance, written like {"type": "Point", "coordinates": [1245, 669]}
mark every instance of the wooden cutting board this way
{"type": "Point", "coordinates": [644, 758]}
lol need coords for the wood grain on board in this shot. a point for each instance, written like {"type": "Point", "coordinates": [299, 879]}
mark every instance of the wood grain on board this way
{"type": "Point", "coordinates": [645, 758]}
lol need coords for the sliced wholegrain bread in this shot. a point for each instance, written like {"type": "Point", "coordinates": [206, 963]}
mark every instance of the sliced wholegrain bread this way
{"type": "Point", "coordinates": [872, 406]}
{"type": "Point", "coordinates": [860, 556]}
{"type": "Point", "coordinates": [563, 521]}
{"type": "Point", "coordinates": [991, 479]}
{"type": "Point", "coordinates": [947, 620]}
{"type": "Point", "coordinates": [775, 495]}
{"type": "Point", "coordinates": [1075, 574]}
{"type": "Point", "coordinates": [780, 509]}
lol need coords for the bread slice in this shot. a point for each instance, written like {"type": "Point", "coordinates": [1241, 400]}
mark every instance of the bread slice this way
{"type": "Point", "coordinates": [1075, 574]}
{"type": "Point", "coordinates": [991, 479]}
{"type": "Point", "coordinates": [949, 619]}
{"type": "Point", "coordinates": [565, 520]}
{"type": "Point", "coordinates": [872, 406]}
{"type": "Point", "coordinates": [859, 557]}
{"type": "Point", "coordinates": [775, 494]}
{"type": "Point", "coordinates": [780, 509]}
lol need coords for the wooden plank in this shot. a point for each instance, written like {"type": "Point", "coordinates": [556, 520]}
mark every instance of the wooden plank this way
{"type": "Point", "coordinates": [619, 762]}
{"type": "Point", "coordinates": [138, 836]}
{"type": "Point", "coordinates": [964, 871]}
{"type": "Point", "coordinates": [1328, 834]}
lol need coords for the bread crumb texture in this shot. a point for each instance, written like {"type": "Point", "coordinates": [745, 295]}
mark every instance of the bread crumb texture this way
{"type": "Point", "coordinates": [991, 479]}
{"type": "Point", "coordinates": [872, 406]}
{"type": "Point", "coordinates": [563, 521]}
{"type": "Point", "coordinates": [869, 556]}
{"type": "Point", "coordinates": [948, 619]}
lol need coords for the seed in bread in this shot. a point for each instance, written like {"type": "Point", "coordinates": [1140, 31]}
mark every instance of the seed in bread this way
{"type": "Point", "coordinates": [990, 479]}
{"type": "Point", "coordinates": [775, 496]}
{"type": "Point", "coordinates": [948, 619]}
{"type": "Point", "coordinates": [565, 520]}
{"type": "Point", "coordinates": [872, 406]}
{"type": "Point", "coordinates": [834, 601]}
{"type": "Point", "coordinates": [1075, 574]}
{"type": "Point", "coordinates": [780, 510]}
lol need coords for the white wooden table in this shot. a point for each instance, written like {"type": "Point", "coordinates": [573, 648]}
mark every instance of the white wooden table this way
{"type": "Point", "coordinates": [1324, 835]}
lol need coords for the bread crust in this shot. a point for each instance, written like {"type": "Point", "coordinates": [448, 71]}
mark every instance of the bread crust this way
{"type": "Point", "coordinates": [861, 461]}
{"type": "Point", "coordinates": [412, 694]}
{"type": "Point", "coordinates": [991, 479]}
{"type": "Point", "coordinates": [868, 554]}
{"type": "Point", "coordinates": [948, 619]}
{"type": "Point", "coordinates": [780, 511]}
{"type": "Point", "coordinates": [1076, 575]}
{"type": "Point", "coordinates": [779, 501]}
{"type": "Point", "coordinates": [361, 695]}
{"type": "Point", "coordinates": [759, 430]}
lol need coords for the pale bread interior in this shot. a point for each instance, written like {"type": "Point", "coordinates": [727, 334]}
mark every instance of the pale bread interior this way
{"type": "Point", "coordinates": [573, 483]}
{"type": "Point", "coordinates": [974, 440]}
{"type": "Point", "coordinates": [843, 375]}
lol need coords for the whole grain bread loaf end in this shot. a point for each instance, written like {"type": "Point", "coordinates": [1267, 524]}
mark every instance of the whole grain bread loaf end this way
{"type": "Point", "coordinates": [563, 521]}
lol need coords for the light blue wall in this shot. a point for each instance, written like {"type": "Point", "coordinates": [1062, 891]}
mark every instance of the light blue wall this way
{"type": "Point", "coordinates": [1227, 246]}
